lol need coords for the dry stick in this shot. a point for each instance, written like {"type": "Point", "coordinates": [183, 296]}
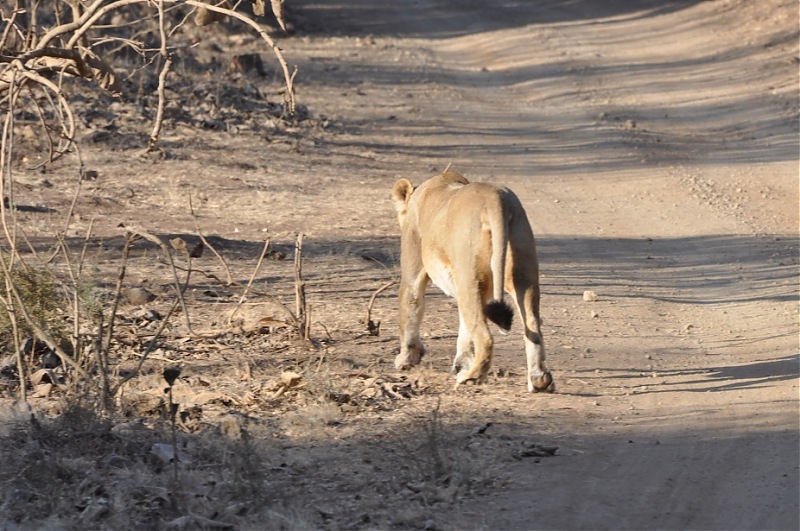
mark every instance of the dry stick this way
{"type": "Point", "coordinates": [207, 244]}
{"type": "Point", "coordinates": [98, 355]}
{"type": "Point", "coordinates": [65, 140]}
{"type": "Point", "coordinates": [372, 301]}
{"type": "Point", "coordinates": [68, 126]}
{"type": "Point", "coordinates": [6, 188]}
{"type": "Point", "coordinates": [51, 147]}
{"type": "Point", "coordinates": [148, 350]}
{"type": "Point", "coordinates": [81, 260]}
{"type": "Point", "coordinates": [321, 359]}
{"type": "Point", "coordinates": [10, 23]}
{"type": "Point", "coordinates": [105, 345]}
{"type": "Point", "coordinates": [250, 283]}
{"type": "Point", "coordinates": [162, 80]}
{"type": "Point", "coordinates": [90, 15]}
{"type": "Point", "coordinates": [85, 247]}
{"type": "Point", "coordinates": [300, 289]}
{"type": "Point", "coordinates": [12, 317]}
{"type": "Point", "coordinates": [72, 204]}
{"type": "Point", "coordinates": [157, 241]}
{"type": "Point", "coordinates": [75, 302]}
{"type": "Point", "coordinates": [307, 329]}
{"type": "Point", "coordinates": [6, 145]}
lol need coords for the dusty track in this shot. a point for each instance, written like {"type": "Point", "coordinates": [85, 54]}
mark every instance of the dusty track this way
{"type": "Point", "coordinates": [655, 147]}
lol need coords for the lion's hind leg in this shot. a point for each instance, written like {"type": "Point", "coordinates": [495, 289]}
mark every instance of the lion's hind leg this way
{"type": "Point", "coordinates": [539, 377]}
{"type": "Point", "coordinates": [465, 355]}
{"type": "Point", "coordinates": [476, 330]}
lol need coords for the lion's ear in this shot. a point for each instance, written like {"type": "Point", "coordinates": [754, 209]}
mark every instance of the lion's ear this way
{"type": "Point", "coordinates": [401, 193]}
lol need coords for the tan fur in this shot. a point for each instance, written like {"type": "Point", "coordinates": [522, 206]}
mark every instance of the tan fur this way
{"type": "Point", "coordinates": [475, 242]}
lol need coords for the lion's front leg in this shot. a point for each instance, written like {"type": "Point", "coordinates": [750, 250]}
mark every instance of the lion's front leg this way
{"type": "Point", "coordinates": [412, 307]}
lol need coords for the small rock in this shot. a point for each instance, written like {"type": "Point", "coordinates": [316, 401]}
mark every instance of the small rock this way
{"type": "Point", "coordinates": [42, 390]}
{"type": "Point", "coordinates": [148, 314]}
{"type": "Point", "coordinates": [231, 427]}
{"type": "Point", "coordinates": [138, 296]}
{"type": "Point", "coordinates": [166, 453]}
{"type": "Point", "coordinates": [117, 461]}
{"type": "Point", "coordinates": [291, 378]}
{"type": "Point", "coordinates": [589, 296]}
{"type": "Point", "coordinates": [248, 62]}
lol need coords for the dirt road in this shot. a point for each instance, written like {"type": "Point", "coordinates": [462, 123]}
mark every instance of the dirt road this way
{"type": "Point", "coordinates": [654, 145]}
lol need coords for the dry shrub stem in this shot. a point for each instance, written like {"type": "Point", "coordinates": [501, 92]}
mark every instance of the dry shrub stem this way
{"type": "Point", "coordinates": [162, 78]}
{"type": "Point", "coordinates": [104, 345]}
{"type": "Point", "coordinates": [302, 309]}
{"type": "Point", "coordinates": [230, 281]}
{"type": "Point", "coordinates": [250, 281]}
{"type": "Point", "coordinates": [12, 317]}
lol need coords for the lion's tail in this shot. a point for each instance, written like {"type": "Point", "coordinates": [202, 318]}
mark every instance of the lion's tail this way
{"type": "Point", "coordinates": [498, 311]}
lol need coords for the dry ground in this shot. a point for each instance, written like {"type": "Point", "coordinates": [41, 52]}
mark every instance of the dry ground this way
{"type": "Point", "coordinates": [655, 147]}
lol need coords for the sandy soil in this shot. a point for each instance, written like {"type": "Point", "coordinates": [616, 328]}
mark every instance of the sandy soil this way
{"type": "Point", "coordinates": [655, 148]}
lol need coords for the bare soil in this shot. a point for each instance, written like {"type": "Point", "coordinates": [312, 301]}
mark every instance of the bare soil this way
{"type": "Point", "coordinates": [654, 145]}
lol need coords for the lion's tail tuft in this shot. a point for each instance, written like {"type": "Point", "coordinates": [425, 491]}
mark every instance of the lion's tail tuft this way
{"type": "Point", "coordinates": [500, 313]}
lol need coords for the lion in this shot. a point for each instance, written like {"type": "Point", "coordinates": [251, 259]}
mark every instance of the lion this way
{"type": "Point", "coordinates": [474, 241]}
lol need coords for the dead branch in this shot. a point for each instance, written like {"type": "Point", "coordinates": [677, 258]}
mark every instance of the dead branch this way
{"type": "Point", "coordinates": [250, 282]}
{"type": "Point", "coordinates": [105, 343]}
{"type": "Point", "coordinates": [373, 328]}
{"type": "Point", "coordinates": [34, 60]}
{"type": "Point", "coordinates": [162, 78]}
{"type": "Point", "coordinates": [208, 244]}
{"type": "Point", "coordinates": [301, 308]}
{"type": "Point", "coordinates": [12, 317]}
{"type": "Point", "coordinates": [288, 77]}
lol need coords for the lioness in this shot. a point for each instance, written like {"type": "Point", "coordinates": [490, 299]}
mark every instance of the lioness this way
{"type": "Point", "coordinates": [474, 241]}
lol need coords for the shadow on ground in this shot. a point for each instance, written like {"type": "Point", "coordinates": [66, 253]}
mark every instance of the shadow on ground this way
{"type": "Point", "coordinates": [398, 474]}
{"type": "Point", "coordinates": [715, 269]}
{"type": "Point", "coordinates": [440, 19]}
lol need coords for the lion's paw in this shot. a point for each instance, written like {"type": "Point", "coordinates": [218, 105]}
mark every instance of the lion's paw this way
{"type": "Point", "coordinates": [542, 384]}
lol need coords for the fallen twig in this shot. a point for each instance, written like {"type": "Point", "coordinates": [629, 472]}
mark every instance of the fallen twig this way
{"type": "Point", "coordinates": [373, 328]}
